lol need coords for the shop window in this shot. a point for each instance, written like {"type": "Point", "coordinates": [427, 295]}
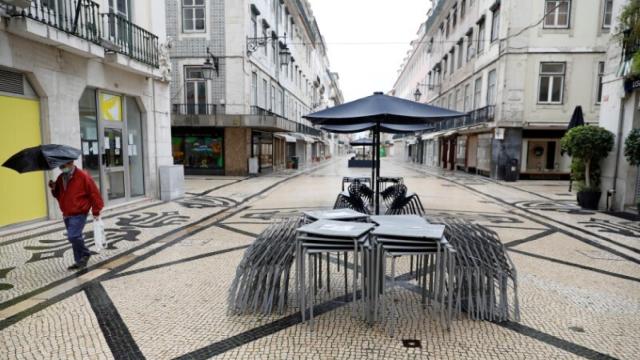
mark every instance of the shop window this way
{"type": "Point", "coordinates": [199, 150]}
{"type": "Point", "coordinates": [89, 134]}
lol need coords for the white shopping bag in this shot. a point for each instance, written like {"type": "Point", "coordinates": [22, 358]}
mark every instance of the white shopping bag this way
{"type": "Point", "coordinates": [98, 234]}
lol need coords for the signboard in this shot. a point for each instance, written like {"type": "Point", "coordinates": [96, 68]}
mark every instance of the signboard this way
{"type": "Point", "coordinates": [631, 84]}
{"type": "Point", "coordinates": [499, 133]}
{"type": "Point", "coordinates": [111, 107]}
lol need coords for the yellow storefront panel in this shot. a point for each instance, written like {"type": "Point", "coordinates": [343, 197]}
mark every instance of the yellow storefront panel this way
{"type": "Point", "coordinates": [22, 196]}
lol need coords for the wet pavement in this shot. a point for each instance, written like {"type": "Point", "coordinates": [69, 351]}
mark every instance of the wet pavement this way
{"type": "Point", "coordinates": [159, 291]}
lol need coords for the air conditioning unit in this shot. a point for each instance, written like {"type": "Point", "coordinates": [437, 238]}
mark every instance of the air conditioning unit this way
{"type": "Point", "coordinates": [18, 3]}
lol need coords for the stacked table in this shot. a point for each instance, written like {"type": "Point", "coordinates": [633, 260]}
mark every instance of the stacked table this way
{"type": "Point", "coordinates": [372, 243]}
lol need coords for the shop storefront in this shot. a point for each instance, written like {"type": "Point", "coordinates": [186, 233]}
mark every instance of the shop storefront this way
{"type": "Point", "coordinates": [542, 157]}
{"type": "Point", "coordinates": [262, 148]}
{"type": "Point", "coordinates": [111, 141]}
{"type": "Point", "coordinates": [19, 128]}
{"type": "Point", "coordinates": [483, 158]}
{"type": "Point", "coordinates": [199, 149]}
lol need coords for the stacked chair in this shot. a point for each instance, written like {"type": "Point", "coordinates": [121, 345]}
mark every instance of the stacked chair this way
{"type": "Point", "coordinates": [399, 202]}
{"type": "Point", "coordinates": [261, 284]}
{"type": "Point", "coordinates": [358, 197]}
{"type": "Point", "coordinates": [485, 279]}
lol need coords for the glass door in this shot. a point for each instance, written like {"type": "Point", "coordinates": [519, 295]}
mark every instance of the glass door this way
{"type": "Point", "coordinates": [113, 164]}
{"type": "Point", "coordinates": [196, 91]}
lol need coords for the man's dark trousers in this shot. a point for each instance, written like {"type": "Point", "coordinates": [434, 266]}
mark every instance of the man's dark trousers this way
{"type": "Point", "coordinates": [75, 225]}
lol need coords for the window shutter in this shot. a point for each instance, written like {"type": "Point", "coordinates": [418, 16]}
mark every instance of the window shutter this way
{"type": "Point", "coordinates": [11, 82]}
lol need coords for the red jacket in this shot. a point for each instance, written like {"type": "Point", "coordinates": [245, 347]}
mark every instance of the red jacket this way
{"type": "Point", "coordinates": [80, 195]}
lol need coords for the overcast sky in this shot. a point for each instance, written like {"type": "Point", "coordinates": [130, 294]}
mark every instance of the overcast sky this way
{"type": "Point", "coordinates": [367, 40]}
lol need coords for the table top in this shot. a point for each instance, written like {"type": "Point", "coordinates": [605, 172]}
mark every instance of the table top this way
{"type": "Point", "coordinates": [334, 228]}
{"type": "Point", "coordinates": [425, 231]}
{"type": "Point", "coordinates": [335, 214]}
{"type": "Point", "coordinates": [398, 220]}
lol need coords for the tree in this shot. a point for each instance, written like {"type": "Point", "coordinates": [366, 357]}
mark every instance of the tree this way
{"type": "Point", "coordinates": [632, 147]}
{"type": "Point", "coordinates": [589, 145]}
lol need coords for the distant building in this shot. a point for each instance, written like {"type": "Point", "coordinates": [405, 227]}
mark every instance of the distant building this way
{"type": "Point", "coordinates": [272, 68]}
{"type": "Point", "coordinates": [94, 77]}
{"type": "Point", "coordinates": [518, 73]}
{"type": "Point", "coordinates": [620, 113]}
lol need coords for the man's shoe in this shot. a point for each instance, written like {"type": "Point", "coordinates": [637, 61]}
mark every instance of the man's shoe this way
{"type": "Point", "coordinates": [85, 259]}
{"type": "Point", "coordinates": [75, 267]}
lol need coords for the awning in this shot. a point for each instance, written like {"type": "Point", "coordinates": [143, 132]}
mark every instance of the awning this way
{"type": "Point", "coordinates": [449, 133]}
{"type": "Point", "coordinates": [411, 141]}
{"type": "Point", "coordinates": [302, 137]}
{"type": "Point", "coordinates": [288, 138]}
{"type": "Point", "coordinates": [432, 135]}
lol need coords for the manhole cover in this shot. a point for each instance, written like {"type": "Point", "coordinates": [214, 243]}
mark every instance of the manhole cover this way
{"type": "Point", "coordinates": [411, 343]}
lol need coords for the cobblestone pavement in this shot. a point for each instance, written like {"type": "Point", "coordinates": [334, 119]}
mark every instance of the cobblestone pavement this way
{"type": "Point", "coordinates": [160, 290]}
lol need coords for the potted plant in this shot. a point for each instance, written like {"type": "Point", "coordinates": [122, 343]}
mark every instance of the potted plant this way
{"type": "Point", "coordinates": [587, 145]}
{"type": "Point", "coordinates": [632, 151]}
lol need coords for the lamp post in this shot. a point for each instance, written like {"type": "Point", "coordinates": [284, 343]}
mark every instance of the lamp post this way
{"type": "Point", "coordinates": [253, 43]}
{"type": "Point", "coordinates": [210, 65]}
{"type": "Point", "coordinates": [417, 94]}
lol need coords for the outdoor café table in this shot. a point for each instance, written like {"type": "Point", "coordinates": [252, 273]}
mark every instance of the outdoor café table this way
{"type": "Point", "coordinates": [399, 220]}
{"type": "Point", "coordinates": [399, 237]}
{"type": "Point", "coordinates": [335, 214]}
{"type": "Point", "coordinates": [325, 236]}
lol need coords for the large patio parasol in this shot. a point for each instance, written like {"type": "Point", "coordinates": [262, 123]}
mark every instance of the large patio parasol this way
{"type": "Point", "coordinates": [380, 113]}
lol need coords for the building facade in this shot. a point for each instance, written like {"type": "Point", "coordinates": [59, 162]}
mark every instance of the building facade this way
{"type": "Point", "coordinates": [518, 68]}
{"type": "Point", "coordinates": [271, 68]}
{"type": "Point", "coordinates": [90, 74]}
{"type": "Point", "coordinates": [620, 113]}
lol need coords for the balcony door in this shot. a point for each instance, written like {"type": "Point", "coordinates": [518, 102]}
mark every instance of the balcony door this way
{"type": "Point", "coordinates": [195, 91]}
{"type": "Point", "coordinates": [119, 23]}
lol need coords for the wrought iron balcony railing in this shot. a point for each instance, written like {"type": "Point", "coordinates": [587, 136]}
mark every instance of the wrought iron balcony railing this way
{"type": "Point", "coordinates": [478, 116]}
{"type": "Point", "coordinates": [301, 128]}
{"type": "Point", "coordinates": [125, 37]}
{"type": "Point", "coordinates": [82, 18]}
{"type": "Point", "coordinates": [197, 109]}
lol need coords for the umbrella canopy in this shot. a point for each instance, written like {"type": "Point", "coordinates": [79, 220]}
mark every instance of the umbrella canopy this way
{"type": "Point", "coordinates": [577, 119]}
{"type": "Point", "coordinates": [387, 110]}
{"type": "Point", "coordinates": [43, 157]}
{"type": "Point", "coordinates": [380, 113]}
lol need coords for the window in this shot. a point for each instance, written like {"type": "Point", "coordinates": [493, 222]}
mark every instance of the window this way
{"type": "Point", "coordinates": [606, 14]}
{"type": "Point", "coordinates": [274, 52]}
{"type": "Point", "coordinates": [272, 106]}
{"type": "Point", "coordinates": [477, 93]}
{"type": "Point", "coordinates": [491, 88]}
{"type": "Point", "coordinates": [454, 16]}
{"type": "Point", "coordinates": [430, 46]}
{"type": "Point", "coordinates": [481, 36]}
{"type": "Point", "coordinates": [557, 13]}
{"type": "Point", "coordinates": [446, 30]}
{"type": "Point", "coordinates": [193, 18]}
{"type": "Point", "coordinates": [452, 60]}
{"type": "Point", "coordinates": [460, 52]}
{"type": "Point", "coordinates": [265, 93]}
{"type": "Point", "coordinates": [551, 83]}
{"type": "Point", "coordinates": [467, 97]}
{"type": "Point", "coordinates": [195, 90]}
{"type": "Point", "coordinates": [459, 100]}
{"type": "Point", "coordinates": [470, 45]}
{"type": "Point", "coordinates": [265, 29]}
{"type": "Point", "coordinates": [463, 8]}
{"type": "Point", "coordinates": [254, 25]}
{"type": "Point", "coordinates": [451, 104]}
{"type": "Point", "coordinates": [444, 67]}
{"type": "Point", "coordinates": [254, 89]}
{"type": "Point", "coordinates": [495, 23]}
{"type": "Point", "coordinates": [600, 76]}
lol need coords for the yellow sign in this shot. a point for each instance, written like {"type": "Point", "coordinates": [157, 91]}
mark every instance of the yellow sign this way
{"type": "Point", "coordinates": [111, 107]}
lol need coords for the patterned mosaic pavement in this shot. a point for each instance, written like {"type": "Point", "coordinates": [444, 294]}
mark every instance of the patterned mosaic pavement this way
{"type": "Point", "coordinates": [159, 291]}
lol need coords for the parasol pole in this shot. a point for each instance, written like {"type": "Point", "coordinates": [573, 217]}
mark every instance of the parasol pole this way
{"type": "Point", "coordinates": [376, 148]}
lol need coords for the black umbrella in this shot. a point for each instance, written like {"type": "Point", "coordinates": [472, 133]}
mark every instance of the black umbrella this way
{"type": "Point", "coordinates": [577, 119]}
{"type": "Point", "coordinates": [380, 113]}
{"type": "Point", "coordinates": [43, 157]}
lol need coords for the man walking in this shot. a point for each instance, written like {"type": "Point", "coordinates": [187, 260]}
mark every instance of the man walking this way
{"type": "Point", "coordinates": [76, 193]}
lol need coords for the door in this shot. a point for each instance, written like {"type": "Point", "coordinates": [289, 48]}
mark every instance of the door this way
{"type": "Point", "coordinates": [119, 25]}
{"type": "Point", "coordinates": [113, 164]}
{"type": "Point", "coordinates": [196, 91]}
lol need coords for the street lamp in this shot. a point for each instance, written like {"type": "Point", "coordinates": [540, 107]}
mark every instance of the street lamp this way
{"type": "Point", "coordinates": [417, 94]}
{"type": "Point", "coordinates": [210, 65]}
{"type": "Point", "coordinates": [285, 55]}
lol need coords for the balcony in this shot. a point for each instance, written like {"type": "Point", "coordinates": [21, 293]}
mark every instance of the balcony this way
{"type": "Point", "coordinates": [216, 116]}
{"type": "Point", "coordinates": [81, 19]}
{"type": "Point", "coordinates": [482, 115]}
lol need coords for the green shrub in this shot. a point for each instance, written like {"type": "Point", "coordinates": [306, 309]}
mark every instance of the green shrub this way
{"type": "Point", "coordinates": [632, 147]}
{"type": "Point", "coordinates": [587, 145]}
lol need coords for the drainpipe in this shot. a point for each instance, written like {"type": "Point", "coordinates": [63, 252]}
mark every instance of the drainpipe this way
{"type": "Point", "coordinates": [155, 134]}
{"type": "Point", "coordinates": [612, 192]}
